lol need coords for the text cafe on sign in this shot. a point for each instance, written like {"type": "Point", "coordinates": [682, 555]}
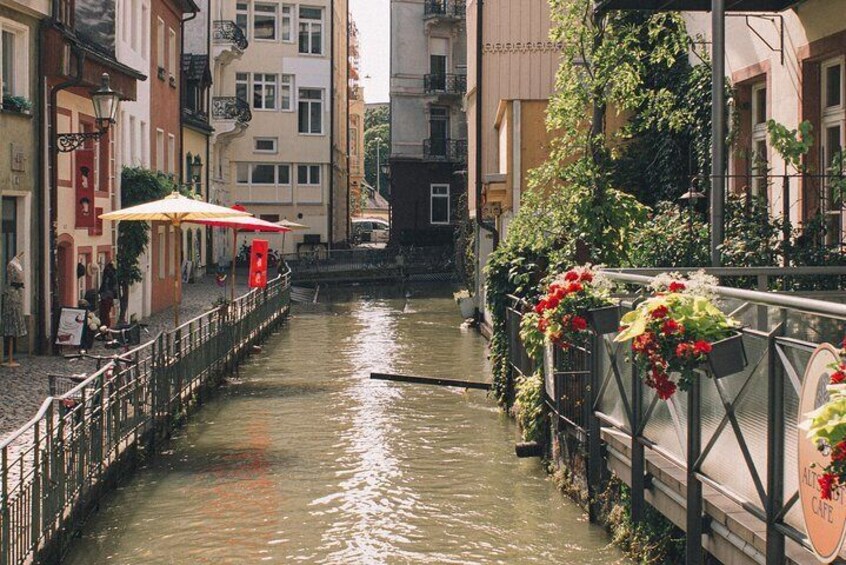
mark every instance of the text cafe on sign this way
{"type": "Point", "coordinates": [825, 520]}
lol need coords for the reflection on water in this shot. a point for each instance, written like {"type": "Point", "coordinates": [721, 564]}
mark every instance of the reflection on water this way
{"type": "Point", "coordinates": [304, 459]}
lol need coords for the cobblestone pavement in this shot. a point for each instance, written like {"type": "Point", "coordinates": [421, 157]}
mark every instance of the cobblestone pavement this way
{"type": "Point", "coordinates": [23, 389]}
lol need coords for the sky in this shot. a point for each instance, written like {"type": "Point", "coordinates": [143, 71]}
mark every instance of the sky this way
{"type": "Point", "coordinates": [373, 20]}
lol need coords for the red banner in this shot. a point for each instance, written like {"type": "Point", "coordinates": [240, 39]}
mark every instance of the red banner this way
{"type": "Point", "coordinates": [258, 264]}
{"type": "Point", "coordinates": [84, 181]}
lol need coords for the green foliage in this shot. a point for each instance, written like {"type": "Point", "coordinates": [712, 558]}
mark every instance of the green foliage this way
{"type": "Point", "coordinates": [792, 145]}
{"type": "Point", "coordinates": [465, 244]}
{"type": "Point", "coordinates": [529, 407]}
{"type": "Point", "coordinates": [671, 239]}
{"type": "Point", "coordinates": [753, 238]}
{"type": "Point", "coordinates": [137, 187]}
{"type": "Point", "coordinates": [377, 145]}
{"type": "Point", "coordinates": [16, 103]}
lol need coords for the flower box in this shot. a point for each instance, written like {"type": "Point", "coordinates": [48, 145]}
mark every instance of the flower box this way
{"type": "Point", "coordinates": [604, 320]}
{"type": "Point", "coordinates": [727, 357]}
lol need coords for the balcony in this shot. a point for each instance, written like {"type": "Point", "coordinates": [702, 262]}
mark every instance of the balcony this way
{"type": "Point", "coordinates": [231, 116]}
{"type": "Point", "coordinates": [228, 40]}
{"type": "Point", "coordinates": [445, 150]}
{"type": "Point", "coordinates": [452, 84]}
{"type": "Point", "coordinates": [444, 9]}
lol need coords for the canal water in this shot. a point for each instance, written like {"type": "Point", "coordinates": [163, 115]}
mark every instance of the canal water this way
{"type": "Point", "coordinates": [302, 458]}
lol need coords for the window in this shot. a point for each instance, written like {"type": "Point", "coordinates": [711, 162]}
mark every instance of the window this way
{"type": "Point", "coordinates": [264, 22]}
{"type": "Point", "coordinates": [242, 16]}
{"type": "Point", "coordinates": [760, 156]}
{"type": "Point", "coordinates": [272, 218]}
{"type": "Point", "coordinates": [160, 150]}
{"type": "Point", "coordinates": [133, 8]}
{"type": "Point", "coordinates": [172, 48]}
{"type": "Point", "coordinates": [311, 31]}
{"type": "Point", "coordinates": [264, 144]}
{"type": "Point", "coordinates": [171, 154]}
{"type": "Point", "coordinates": [438, 131]}
{"type": "Point", "coordinates": [145, 145]}
{"type": "Point", "coordinates": [311, 111]}
{"type": "Point", "coordinates": [354, 142]}
{"type": "Point", "coordinates": [14, 57]}
{"type": "Point", "coordinates": [145, 31]}
{"type": "Point", "coordinates": [833, 117]}
{"type": "Point", "coordinates": [160, 44]}
{"type": "Point", "coordinates": [286, 86]}
{"type": "Point", "coordinates": [263, 174]}
{"type": "Point", "coordinates": [242, 85]}
{"type": "Point", "coordinates": [264, 91]}
{"type": "Point", "coordinates": [308, 174]}
{"type": "Point", "coordinates": [162, 251]}
{"type": "Point", "coordinates": [287, 31]}
{"type": "Point", "coordinates": [440, 204]}
{"type": "Point", "coordinates": [133, 150]}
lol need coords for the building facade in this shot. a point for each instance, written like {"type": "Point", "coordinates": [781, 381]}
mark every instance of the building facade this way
{"type": "Point", "coordinates": [428, 124]}
{"type": "Point", "coordinates": [21, 157]}
{"type": "Point", "coordinates": [279, 114]}
{"type": "Point", "coordinates": [519, 63]}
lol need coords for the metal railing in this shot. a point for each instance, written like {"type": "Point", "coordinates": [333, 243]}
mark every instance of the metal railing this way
{"type": "Point", "coordinates": [446, 150]}
{"type": "Point", "coordinates": [453, 9]}
{"type": "Point", "coordinates": [55, 468]}
{"type": "Point", "coordinates": [734, 435]}
{"type": "Point", "coordinates": [231, 108]}
{"type": "Point", "coordinates": [445, 83]}
{"type": "Point", "coordinates": [227, 31]}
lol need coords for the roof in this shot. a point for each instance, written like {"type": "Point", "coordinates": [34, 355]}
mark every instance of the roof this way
{"type": "Point", "coordinates": [696, 5]}
{"type": "Point", "coordinates": [375, 201]}
{"type": "Point", "coordinates": [195, 67]}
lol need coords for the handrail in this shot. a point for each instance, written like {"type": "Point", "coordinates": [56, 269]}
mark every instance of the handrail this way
{"type": "Point", "coordinates": [804, 305]}
{"type": "Point", "coordinates": [26, 427]}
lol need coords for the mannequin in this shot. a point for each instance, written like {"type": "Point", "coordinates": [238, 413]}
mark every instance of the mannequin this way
{"type": "Point", "coordinates": [14, 323]}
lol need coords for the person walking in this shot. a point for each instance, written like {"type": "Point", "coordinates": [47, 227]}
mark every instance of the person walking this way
{"type": "Point", "coordinates": [108, 292]}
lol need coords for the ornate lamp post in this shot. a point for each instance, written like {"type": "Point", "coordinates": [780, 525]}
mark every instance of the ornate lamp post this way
{"type": "Point", "coordinates": [106, 102]}
{"type": "Point", "coordinates": [692, 196]}
{"type": "Point", "coordinates": [195, 173]}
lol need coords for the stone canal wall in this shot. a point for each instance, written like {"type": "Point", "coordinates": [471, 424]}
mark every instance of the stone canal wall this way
{"type": "Point", "coordinates": [56, 468]}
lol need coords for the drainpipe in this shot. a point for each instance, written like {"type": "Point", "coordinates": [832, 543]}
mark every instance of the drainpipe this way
{"type": "Point", "coordinates": [718, 139]}
{"type": "Point", "coordinates": [50, 310]}
{"type": "Point", "coordinates": [331, 101]}
{"type": "Point", "coordinates": [489, 227]}
{"type": "Point", "coordinates": [179, 93]}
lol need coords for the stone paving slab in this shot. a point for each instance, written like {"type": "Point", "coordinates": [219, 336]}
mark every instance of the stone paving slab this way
{"type": "Point", "coordinates": [23, 389]}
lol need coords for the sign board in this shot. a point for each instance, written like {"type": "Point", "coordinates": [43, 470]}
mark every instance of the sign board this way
{"type": "Point", "coordinates": [71, 324]}
{"type": "Point", "coordinates": [84, 179]}
{"type": "Point", "coordinates": [825, 520]}
{"type": "Point", "coordinates": [258, 263]}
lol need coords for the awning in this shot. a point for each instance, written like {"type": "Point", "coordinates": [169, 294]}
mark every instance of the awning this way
{"type": "Point", "coordinates": [695, 5]}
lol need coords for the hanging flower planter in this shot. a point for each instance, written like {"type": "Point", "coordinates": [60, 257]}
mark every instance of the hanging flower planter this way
{"type": "Point", "coordinates": [604, 320]}
{"type": "Point", "coordinates": [727, 357]}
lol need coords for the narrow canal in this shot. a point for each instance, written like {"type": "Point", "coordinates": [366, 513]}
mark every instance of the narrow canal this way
{"type": "Point", "coordinates": [304, 459]}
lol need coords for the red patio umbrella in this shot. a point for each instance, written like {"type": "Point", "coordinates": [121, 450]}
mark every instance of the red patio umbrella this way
{"type": "Point", "coordinates": [241, 224]}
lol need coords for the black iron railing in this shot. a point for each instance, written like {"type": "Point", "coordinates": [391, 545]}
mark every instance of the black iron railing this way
{"type": "Point", "coordinates": [444, 8]}
{"type": "Point", "coordinates": [445, 83]}
{"type": "Point", "coordinates": [231, 108]}
{"type": "Point", "coordinates": [447, 150]}
{"type": "Point", "coordinates": [227, 31]}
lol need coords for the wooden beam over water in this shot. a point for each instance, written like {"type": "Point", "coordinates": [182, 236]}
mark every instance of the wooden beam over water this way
{"type": "Point", "coordinates": [430, 381]}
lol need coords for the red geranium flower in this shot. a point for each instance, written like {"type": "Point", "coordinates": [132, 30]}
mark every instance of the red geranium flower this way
{"type": "Point", "coordinates": [587, 276]}
{"type": "Point", "coordinates": [571, 276]}
{"type": "Point", "coordinates": [676, 286]}
{"type": "Point", "coordinates": [575, 287]}
{"type": "Point", "coordinates": [684, 349]}
{"type": "Point", "coordinates": [670, 327]}
{"type": "Point", "coordinates": [540, 306]}
{"type": "Point", "coordinates": [827, 483]}
{"type": "Point", "coordinates": [702, 347]}
{"type": "Point", "coordinates": [578, 323]}
{"type": "Point", "coordinates": [838, 377]}
{"type": "Point", "coordinates": [543, 324]}
{"type": "Point", "coordinates": [838, 452]}
{"type": "Point", "coordinates": [660, 312]}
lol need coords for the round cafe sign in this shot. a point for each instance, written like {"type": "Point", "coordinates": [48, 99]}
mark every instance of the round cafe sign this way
{"type": "Point", "coordinates": [825, 520]}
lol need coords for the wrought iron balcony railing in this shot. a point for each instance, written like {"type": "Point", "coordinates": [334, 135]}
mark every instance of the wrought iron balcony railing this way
{"type": "Point", "coordinates": [227, 31]}
{"type": "Point", "coordinates": [446, 150]}
{"type": "Point", "coordinates": [454, 9]}
{"type": "Point", "coordinates": [231, 108]}
{"type": "Point", "coordinates": [445, 83]}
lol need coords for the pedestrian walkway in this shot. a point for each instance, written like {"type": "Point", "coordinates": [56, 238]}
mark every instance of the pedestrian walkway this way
{"type": "Point", "coordinates": [23, 389]}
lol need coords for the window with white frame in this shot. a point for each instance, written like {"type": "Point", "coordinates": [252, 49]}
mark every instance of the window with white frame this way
{"type": "Point", "coordinates": [308, 175]}
{"type": "Point", "coordinates": [833, 116]}
{"type": "Point", "coordinates": [286, 90]}
{"type": "Point", "coordinates": [242, 86]}
{"type": "Point", "coordinates": [145, 31]}
{"type": "Point", "coordinates": [14, 59]}
{"type": "Point", "coordinates": [439, 204]}
{"type": "Point", "coordinates": [242, 17]}
{"type": "Point", "coordinates": [263, 174]}
{"type": "Point", "coordinates": [172, 49]}
{"type": "Point", "coordinates": [264, 22]}
{"type": "Point", "coordinates": [287, 24]}
{"type": "Point", "coordinates": [311, 30]}
{"type": "Point", "coordinates": [760, 153]}
{"type": "Point", "coordinates": [310, 101]}
{"type": "Point", "coordinates": [171, 154]}
{"type": "Point", "coordinates": [160, 43]}
{"type": "Point", "coordinates": [265, 144]}
{"type": "Point", "coordinates": [160, 150]}
{"type": "Point", "coordinates": [264, 91]}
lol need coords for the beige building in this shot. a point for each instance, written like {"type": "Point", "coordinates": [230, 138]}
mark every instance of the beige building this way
{"type": "Point", "coordinates": [279, 113]}
{"type": "Point", "coordinates": [519, 63]}
{"type": "Point", "coordinates": [356, 151]}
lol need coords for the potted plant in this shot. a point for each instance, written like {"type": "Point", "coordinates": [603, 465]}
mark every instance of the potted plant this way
{"type": "Point", "coordinates": [826, 427]}
{"type": "Point", "coordinates": [465, 303]}
{"type": "Point", "coordinates": [678, 331]}
{"type": "Point", "coordinates": [17, 104]}
{"type": "Point", "coordinates": [574, 303]}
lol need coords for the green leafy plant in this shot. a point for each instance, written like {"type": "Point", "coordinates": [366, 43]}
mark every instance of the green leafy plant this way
{"type": "Point", "coordinates": [16, 103]}
{"type": "Point", "coordinates": [791, 144]}
{"type": "Point", "coordinates": [672, 332]}
{"type": "Point", "coordinates": [674, 236]}
{"type": "Point", "coordinates": [529, 407]}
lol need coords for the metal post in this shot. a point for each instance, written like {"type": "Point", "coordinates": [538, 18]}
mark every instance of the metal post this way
{"type": "Point", "coordinates": [5, 530]}
{"type": "Point", "coordinates": [594, 462]}
{"type": "Point", "coordinates": [718, 142]}
{"type": "Point", "coordinates": [775, 451]}
{"type": "Point", "coordinates": [638, 458]}
{"type": "Point", "coordinates": [694, 486]}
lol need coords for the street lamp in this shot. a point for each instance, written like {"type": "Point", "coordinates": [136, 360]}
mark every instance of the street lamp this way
{"type": "Point", "coordinates": [195, 172]}
{"type": "Point", "coordinates": [692, 196]}
{"type": "Point", "coordinates": [105, 102]}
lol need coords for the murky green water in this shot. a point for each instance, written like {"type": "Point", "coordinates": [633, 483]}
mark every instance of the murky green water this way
{"type": "Point", "coordinates": [304, 459]}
